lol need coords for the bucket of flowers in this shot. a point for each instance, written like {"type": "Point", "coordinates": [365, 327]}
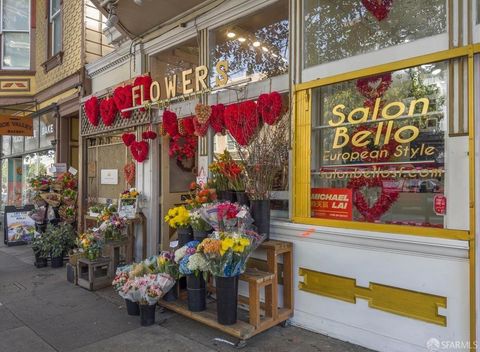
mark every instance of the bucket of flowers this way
{"type": "Point", "coordinates": [167, 265]}
{"type": "Point", "coordinates": [194, 266]}
{"type": "Point", "coordinates": [67, 213]}
{"type": "Point", "coordinates": [229, 176]}
{"type": "Point", "coordinates": [90, 243]}
{"type": "Point", "coordinates": [113, 228]}
{"type": "Point", "coordinates": [120, 286]}
{"type": "Point", "coordinates": [179, 218]}
{"type": "Point", "coordinates": [201, 228]}
{"type": "Point", "coordinates": [69, 196]}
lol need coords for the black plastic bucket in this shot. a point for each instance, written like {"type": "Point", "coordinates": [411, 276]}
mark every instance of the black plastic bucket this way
{"type": "Point", "coordinates": [57, 262]}
{"type": "Point", "coordinates": [197, 293]}
{"type": "Point", "coordinates": [132, 307]}
{"type": "Point", "coordinates": [227, 294]}
{"type": "Point", "coordinates": [185, 235]}
{"type": "Point", "coordinates": [40, 262]}
{"type": "Point", "coordinates": [242, 198]}
{"type": "Point", "coordinates": [147, 314]}
{"type": "Point", "coordinates": [200, 235]}
{"type": "Point", "coordinates": [172, 294]}
{"type": "Point", "coordinates": [260, 210]}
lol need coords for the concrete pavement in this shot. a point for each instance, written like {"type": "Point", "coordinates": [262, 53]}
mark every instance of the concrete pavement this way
{"type": "Point", "coordinates": [40, 311]}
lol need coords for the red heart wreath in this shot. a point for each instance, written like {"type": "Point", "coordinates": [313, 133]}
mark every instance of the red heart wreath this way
{"type": "Point", "coordinates": [188, 127]}
{"type": "Point", "coordinates": [374, 87]}
{"type": "Point", "coordinates": [92, 110]}
{"type": "Point", "coordinates": [128, 139]}
{"type": "Point", "coordinates": [382, 204]}
{"type": "Point", "coordinates": [378, 8]}
{"type": "Point", "coordinates": [108, 111]}
{"type": "Point", "coordinates": [217, 118]}
{"type": "Point", "coordinates": [183, 147]}
{"type": "Point", "coordinates": [123, 100]}
{"type": "Point", "coordinates": [242, 121]}
{"type": "Point", "coordinates": [129, 173]}
{"type": "Point", "coordinates": [149, 135]}
{"type": "Point", "coordinates": [170, 123]}
{"type": "Point", "coordinates": [146, 82]}
{"type": "Point", "coordinates": [139, 150]}
{"type": "Point", "coordinates": [270, 107]}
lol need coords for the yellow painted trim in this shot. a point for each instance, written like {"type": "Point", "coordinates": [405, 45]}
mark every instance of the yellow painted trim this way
{"type": "Point", "coordinates": [393, 66]}
{"type": "Point", "coordinates": [57, 98]}
{"type": "Point", "coordinates": [400, 301]}
{"type": "Point", "coordinates": [387, 228]}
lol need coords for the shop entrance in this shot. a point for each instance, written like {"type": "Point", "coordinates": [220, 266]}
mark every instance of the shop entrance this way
{"type": "Point", "coordinates": [175, 178]}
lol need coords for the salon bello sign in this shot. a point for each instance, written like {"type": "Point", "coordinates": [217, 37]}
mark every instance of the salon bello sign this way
{"type": "Point", "coordinates": [194, 80]}
{"type": "Point", "coordinates": [378, 134]}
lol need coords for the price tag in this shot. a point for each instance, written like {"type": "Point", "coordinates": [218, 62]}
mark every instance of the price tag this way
{"type": "Point", "coordinates": [72, 170]}
{"type": "Point", "coordinates": [173, 244]}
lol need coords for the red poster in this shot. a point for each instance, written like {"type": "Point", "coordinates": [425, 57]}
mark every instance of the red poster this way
{"type": "Point", "coordinates": [440, 204]}
{"type": "Point", "coordinates": [332, 203]}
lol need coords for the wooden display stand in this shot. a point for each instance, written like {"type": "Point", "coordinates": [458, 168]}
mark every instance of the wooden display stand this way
{"type": "Point", "coordinates": [94, 274]}
{"type": "Point", "coordinates": [257, 279]}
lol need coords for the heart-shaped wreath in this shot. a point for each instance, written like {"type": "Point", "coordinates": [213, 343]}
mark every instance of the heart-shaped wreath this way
{"type": "Point", "coordinates": [183, 149]}
{"type": "Point", "coordinates": [383, 203]}
{"type": "Point", "coordinates": [139, 150]}
{"type": "Point", "coordinates": [108, 111]}
{"type": "Point", "coordinates": [170, 123]}
{"type": "Point", "coordinates": [186, 126]}
{"type": "Point", "coordinates": [269, 107]}
{"type": "Point", "coordinates": [128, 139]}
{"type": "Point", "coordinates": [149, 135]}
{"type": "Point", "coordinates": [123, 100]}
{"type": "Point", "coordinates": [92, 110]}
{"type": "Point", "coordinates": [378, 8]}
{"type": "Point", "coordinates": [145, 82]}
{"type": "Point", "coordinates": [217, 118]}
{"type": "Point", "coordinates": [242, 121]}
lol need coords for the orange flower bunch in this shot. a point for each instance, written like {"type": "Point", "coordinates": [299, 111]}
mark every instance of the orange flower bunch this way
{"type": "Point", "coordinates": [210, 246]}
{"type": "Point", "coordinates": [200, 195]}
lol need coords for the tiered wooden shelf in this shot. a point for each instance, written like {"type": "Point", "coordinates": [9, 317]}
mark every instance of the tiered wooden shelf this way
{"type": "Point", "coordinates": [262, 316]}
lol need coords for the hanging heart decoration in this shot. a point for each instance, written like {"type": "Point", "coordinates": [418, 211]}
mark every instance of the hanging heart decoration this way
{"type": "Point", "coordinates": [92, 110]}
{"type": "Point", "coordinates": [108, 111]}
{"type": "Point", "coordinates": [139, 150]}
{"type": "Point", "coordinates": [217, 118]}
{"type": "Point", "coordinates": [383, 203]}
{"type": "Point", "coordinates": [129, 173]}
{"type": "Point", "coordinates": [374, 87]}
{"type": "Point", "coordinates": [123, 100]}
{"type": "Point", "coordinates": [242, 121]}
{"type": "Point", "coordinates": [128, 139]}
{"type": "Point", "coordinates": [145, 82]}
{"type": "Point", "coordinates": [188, 126]}
{"type": "Point", "coordinates": [270, 107]}
{"type": "Point", "coordinates": [203, 113]}
{"type": "Point", "coordinates": [378, 8]}
{"type": "Point", "coordinates": [170, 123]}
{"type": "Point", "coordinates": [149, 135]}
{"type": "Point", "coordinates": [201, 129]}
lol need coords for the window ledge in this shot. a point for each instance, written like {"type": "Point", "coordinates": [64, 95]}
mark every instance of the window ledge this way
{"type": "Point", "coordinates": [8, 72]}
{"type": "Point", "coordinates": [54, 61]}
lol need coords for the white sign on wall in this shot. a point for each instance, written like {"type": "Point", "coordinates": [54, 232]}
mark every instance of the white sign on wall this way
{"type": "Point", "coordinates": [109, 176]}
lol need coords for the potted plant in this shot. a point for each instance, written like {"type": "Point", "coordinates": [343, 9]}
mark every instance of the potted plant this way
{"type": "Point", "coordinates": [179, 218]}
{"type": "Point", "coordinates": [56, 246]}
{"type": "Point", "coordinates": [41, 251]}
{"type": "Point", "coordinates": [195, 267]}
{"type": "Point", "coordinates": [95, 210]}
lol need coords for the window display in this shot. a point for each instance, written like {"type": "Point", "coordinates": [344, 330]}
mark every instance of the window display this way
{"type": "Point", "coordinates": [378, 147]}
{"type": "Point", "coordinates": [337, 29]}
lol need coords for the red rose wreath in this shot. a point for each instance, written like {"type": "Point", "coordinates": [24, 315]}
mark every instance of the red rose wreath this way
{"type": "Point", "coordinates": [92, 110]}
{"type": "Point", "coordinates": [383, 202]}
{"type": "Point", "coordinates": [170, 123]}
{"type": "Point", "coordinates": [123, 100]}
{"type": "Point", "coordinates": [242, 121]}
{"type": "Point", "coordinates": [139, 150]}
{"type": "Point", "coordinates": [378, 8]}
{"type": "Point", "coordinates": [269, 107]}
{"type": "Point", "coordinates": [128, 139]}
{"type": "Point", "coordinates": [108, 111]}
{"type": "Point", "coordinates": [145, 82]}
{"type": "Point", "coordinates": [217, 118]}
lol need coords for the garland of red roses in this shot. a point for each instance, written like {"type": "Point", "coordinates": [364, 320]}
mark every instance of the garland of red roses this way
{"type": "Point", "coordinates": [374, 87]}
{"type": "Point", "coordinates": [382, 205]}
{"type": "Point", "coordinates": [390, 147]}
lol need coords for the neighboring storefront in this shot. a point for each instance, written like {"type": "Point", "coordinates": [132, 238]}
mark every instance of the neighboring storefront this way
{"type": "Point", "coordinates": [380, 197]}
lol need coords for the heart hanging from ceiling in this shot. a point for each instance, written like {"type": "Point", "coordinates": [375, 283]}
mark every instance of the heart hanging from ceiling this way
{"type": "Point", "coordinates": [270, 107]}
{"type": "Point", "coordinates": [145, 82]}
{"type": "Point", "coordinates": [217, 118]}
{"type": "Point", "coordinates": [108, 111]}
{"type": "Point", "coordinates": [139, 150]}
{"type": "Point", "coordinates": [92, 110]}
{"type": "Point", "coordinates": [378, 8]}
{"type": "Point", "coordinates": [123, 100]}
{"type": "Point", "coordinates": [242, 121]}
{"type": "Point", "coordinates": [149, 135]}
{"type": "Point", "coordinates": [128, 139]}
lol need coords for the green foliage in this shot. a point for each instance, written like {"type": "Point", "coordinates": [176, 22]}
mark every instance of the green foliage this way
{"type": "Point", "coordinates": [59, 239]}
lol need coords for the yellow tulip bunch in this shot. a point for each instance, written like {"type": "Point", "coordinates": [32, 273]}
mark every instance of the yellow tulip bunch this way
{"type": "Point", "coordinates": [236, 244]}
{"type": "Point", "coordinates": [178, 217]}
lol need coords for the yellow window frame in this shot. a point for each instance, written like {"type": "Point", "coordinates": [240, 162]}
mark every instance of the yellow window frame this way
{"type": "Point", "coordinates": [302, 147]}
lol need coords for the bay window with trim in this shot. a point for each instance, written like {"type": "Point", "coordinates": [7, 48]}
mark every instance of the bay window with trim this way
{"type": "Point", "coordinates": [15, 34]}
{"type": "Point", "coordinates": [55, 30]}
{"type": "Point", "coordinates": [384, 139]}
{"type": "Point", "coordinates": [256, 47]}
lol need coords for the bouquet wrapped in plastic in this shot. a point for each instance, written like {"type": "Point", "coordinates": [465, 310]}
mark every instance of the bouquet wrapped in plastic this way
{"type": "Point", "coordinates": [147, 289]}
{"type": "Point", "coordinates": [227, 217]}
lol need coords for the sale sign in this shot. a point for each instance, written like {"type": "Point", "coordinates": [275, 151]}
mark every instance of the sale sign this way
{"type": "Point", "coordinates": [440, 204]}
{"type": "Point", "coordinates": [332, 203]}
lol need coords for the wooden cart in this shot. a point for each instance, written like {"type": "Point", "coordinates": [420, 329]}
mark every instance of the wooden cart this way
{"type": "Point", "coordinates": [259, 275]}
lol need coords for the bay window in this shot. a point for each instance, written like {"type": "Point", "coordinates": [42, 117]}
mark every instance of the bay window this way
{"type": "Point", "coordinates": [15, 34]}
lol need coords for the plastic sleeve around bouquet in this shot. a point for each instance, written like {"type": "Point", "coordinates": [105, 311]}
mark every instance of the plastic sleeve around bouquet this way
{"type": "Point", "coordinates": [165, 282]}
{"type": "Point", "coordinates": [216, 216]}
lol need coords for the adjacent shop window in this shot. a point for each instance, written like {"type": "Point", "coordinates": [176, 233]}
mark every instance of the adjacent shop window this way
{"type": "Point", "coordinates": [35, 164]}
{"type": "Point", "coordinates": [256, 46]}
{"type": "Point", "coordinates": [15, 34]}
{"type": "Point", "coordinates": [378, 148]}
{"type": "Point", "coordinates": [55, 27]}
{"type": "Point", "coordinates": [169, 64]}
{"type": "Point", "coordinates": [6, 145]}
{"type": "Point", "coordinates": [335, 29]}
{"type": "Point", "coordinates": [47, 129]}
{"type": "Point", "coordinates": [31, 142]}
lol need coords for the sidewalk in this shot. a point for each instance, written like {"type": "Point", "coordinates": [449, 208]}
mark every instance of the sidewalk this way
{"type": "Point", "coordinates": [40, 311]}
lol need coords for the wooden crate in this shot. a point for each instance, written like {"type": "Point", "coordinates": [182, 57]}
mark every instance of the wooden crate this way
{"type": "Point", "coordinates": [94, 275]}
